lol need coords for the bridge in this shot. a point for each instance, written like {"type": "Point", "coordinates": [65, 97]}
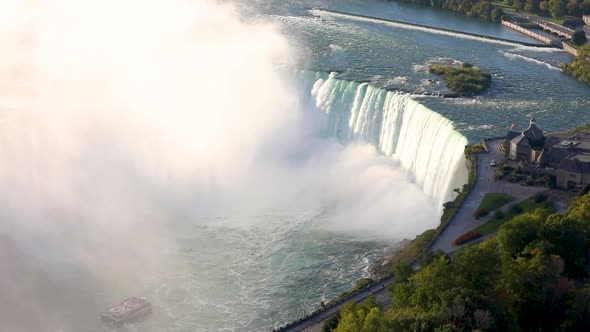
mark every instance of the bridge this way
{"type": "Point", "coordinates": [557, 29]}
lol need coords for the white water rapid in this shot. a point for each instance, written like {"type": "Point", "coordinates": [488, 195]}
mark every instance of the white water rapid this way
{"type": "Point", "coordinates": [424, 142]}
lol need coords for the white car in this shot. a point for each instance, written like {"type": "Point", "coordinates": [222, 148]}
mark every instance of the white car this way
{"type": "Point", "coordinates": [493, 163]}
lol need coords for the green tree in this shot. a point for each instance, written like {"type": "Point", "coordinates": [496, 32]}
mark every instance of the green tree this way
{"type": "Point", "coordinates": [567, 238]}
{"type": "Point", "coordinates": [579, 38]}
{"type": "Point", "coordinates": [544, 6]}
{"type": "Point", "coordinates": [585, 7]}
{"type": "Point", "coordinates": [557, 8]}
{"type": "Point", "coordinates": [363, 317]}
{"type": "Point", "coordinates": [517, 234]}
{"type": "Point", "coordinates": [579, 210]}
{"type": "Point", "coordinates": [573, 7]}
{"type": "Point", "coordinates": [374, 321]}
{"type": "Point", "coordinates": [412, 319]}
{"type": "Point", "coordinates": [497, 14]}
{"type": "Point", "coordinates": [532, 6]}
{"type": "Point", "coordinates": [578, 314]}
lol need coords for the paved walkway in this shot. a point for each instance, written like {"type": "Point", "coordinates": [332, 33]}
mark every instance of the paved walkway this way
{"type": "Point", "coordinates": [464, 221]}
{"type": "Point", "coordinates": [314, 322]}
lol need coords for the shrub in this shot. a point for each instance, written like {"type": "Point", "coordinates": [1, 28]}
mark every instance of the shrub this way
{"type": "Point", "coordinates": [331, 323]}
{"type": "Point", "coordinates": [517, 178]}
{"type": "Point", "coordinates": [579, 38]}
{"type": "Point", "coordinates": [515, 209]}
{"type": "Point", "coordinates": [529, 182]}
{"type": "Point", "coordinates": [540, 197]}
{"type": "Point", "coordinates": [498, 215]}
{"type": "Point", "coordinates": [480, 212]}
{"type": "Point", "coordinates": [467, 237]}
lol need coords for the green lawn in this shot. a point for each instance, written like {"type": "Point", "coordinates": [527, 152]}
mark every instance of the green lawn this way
{"type": "Point", "coordinates": [415, 247]}
{"type": "Point", "coordinates": [516, 209]}
{"type": "Point", "coordinates": [493, 201]}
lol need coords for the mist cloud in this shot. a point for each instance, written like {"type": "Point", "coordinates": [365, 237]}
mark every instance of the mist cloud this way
{"type": "Point", "coordinates": [117, 117]}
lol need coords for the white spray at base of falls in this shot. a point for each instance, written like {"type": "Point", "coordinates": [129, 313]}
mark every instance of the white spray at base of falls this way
{"type": "Point", "coordinates": [424, 142]}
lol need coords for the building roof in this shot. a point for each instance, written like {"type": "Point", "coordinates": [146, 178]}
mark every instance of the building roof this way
{"type": "Point", "coordinates": [511, 134]}
{"type": "Point", "coordinates": [556, 153]}
{"type": "Point", "coordinates": [534, 134]}
{"type": "Point", "coordinates": [551, 141]}
{"type": "Point", "coordinates": [574, 165]}
{"type": "Point", "coordinates": [520, 140]}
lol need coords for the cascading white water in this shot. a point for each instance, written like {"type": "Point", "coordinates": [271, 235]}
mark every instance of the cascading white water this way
{"type": "Point", "coordinates": [423, 141]}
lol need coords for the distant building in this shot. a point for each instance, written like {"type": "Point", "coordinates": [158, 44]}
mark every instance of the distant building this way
{"type": "Point", "coordinates": [586, 19]}
{"type": "Point", "coordinates": [567, 161]}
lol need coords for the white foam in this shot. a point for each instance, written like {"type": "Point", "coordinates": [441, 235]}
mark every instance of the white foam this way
{"type": "Point", "coordinates": [513, 56]}
{"type": "Point", "coordinates": [324, 13]}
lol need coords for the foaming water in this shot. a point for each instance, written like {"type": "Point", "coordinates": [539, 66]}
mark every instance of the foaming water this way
{"type": "Point", "coordinates": [424, 142]}
{"type": "Point", "coordinates": [513, 56]}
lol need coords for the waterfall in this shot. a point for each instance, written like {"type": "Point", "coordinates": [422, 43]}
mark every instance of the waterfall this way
{"type": "Point", "coordinates": [424, 142]}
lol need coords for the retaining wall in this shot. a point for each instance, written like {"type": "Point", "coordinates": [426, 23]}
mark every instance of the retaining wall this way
{"type": "Point", "coordinates": [570, 49]}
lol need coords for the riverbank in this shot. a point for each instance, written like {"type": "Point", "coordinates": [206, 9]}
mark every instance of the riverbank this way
{"type": "Point", "coordinates": [580, 68]}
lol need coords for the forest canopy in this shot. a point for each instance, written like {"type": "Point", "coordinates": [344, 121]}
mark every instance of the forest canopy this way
{"type": "Point", "coordinates": [533, 276]}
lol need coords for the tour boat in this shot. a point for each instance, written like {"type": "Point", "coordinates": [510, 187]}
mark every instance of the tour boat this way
{"type": "Point", "coordinates": [128, 310]}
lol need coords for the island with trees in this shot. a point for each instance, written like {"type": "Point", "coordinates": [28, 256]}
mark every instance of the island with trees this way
{"type": "Point", "coordinates": [464, 79]}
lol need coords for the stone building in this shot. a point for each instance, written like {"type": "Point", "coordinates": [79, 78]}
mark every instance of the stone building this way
{"type": "Point", "coordinates": [586, 19]}
{"type": "Point", "coordinates": [567, 161]}
{"type": "Point", "coordinates": [528, 145]}
{"type": "Point", "coordinates": [571, 161]}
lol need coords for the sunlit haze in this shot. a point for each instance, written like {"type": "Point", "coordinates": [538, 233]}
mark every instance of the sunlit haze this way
{"type": "Point", "coordinates": [121, 119]}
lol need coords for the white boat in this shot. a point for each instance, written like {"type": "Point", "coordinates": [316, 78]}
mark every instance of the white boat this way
{"type": "Point", "coordinates": [128, 310]}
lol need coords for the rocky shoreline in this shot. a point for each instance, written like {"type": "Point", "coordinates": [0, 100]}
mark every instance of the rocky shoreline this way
{"type": "Point", "coordinates": [381, 267]}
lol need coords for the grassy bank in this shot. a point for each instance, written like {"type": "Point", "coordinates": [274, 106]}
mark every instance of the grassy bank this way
{"type": "Point", "coordinates": [491, 202]}
{"type": "Point", "coordinates": [499, 218]}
